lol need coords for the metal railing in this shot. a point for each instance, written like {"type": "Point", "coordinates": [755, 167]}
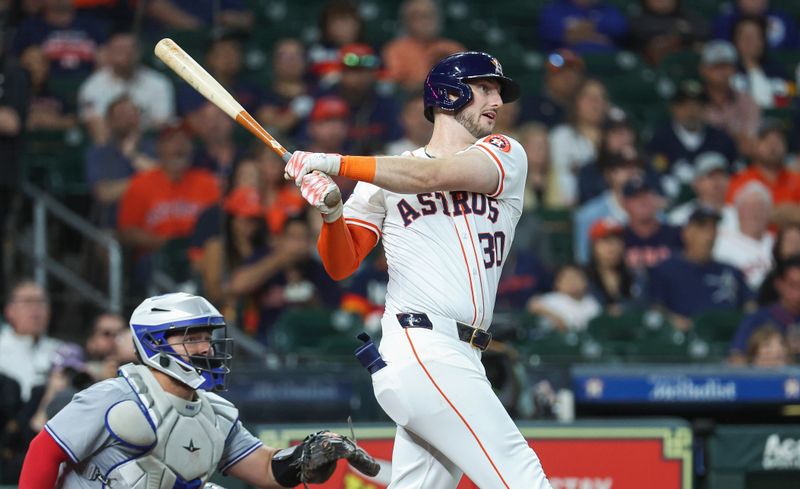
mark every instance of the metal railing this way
{"type": "Point", "coordinates": [44, 265]}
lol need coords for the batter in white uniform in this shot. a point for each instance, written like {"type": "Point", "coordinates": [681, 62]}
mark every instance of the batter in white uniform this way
{"type": "Point", "coordinates": [446, 214]}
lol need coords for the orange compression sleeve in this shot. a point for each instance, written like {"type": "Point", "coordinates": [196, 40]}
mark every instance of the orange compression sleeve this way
{"type": "Point", "coordinates": [361, 168]}
{"type": "Point", "coordinates": [342, 247]}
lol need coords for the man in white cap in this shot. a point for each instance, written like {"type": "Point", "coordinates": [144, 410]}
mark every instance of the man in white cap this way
{"type": "Point", "coordinates": [710, 185]}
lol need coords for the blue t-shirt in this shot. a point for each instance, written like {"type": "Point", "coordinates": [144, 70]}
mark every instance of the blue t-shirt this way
{"type": "Point", "coordinates": [668, 151]}
{"type": "Point", "coordinates": [524, 276]}
{"type": "Point", "coordinates": [688, 288]}
{"type": "Point", "coordinates": [645, 253]}
{"type": "Point", "coordinates": [781, 28]}
{"type": "Point", "coordinates": [773, 315]}
{"type": "Point", "coordinates": [71, 49]}
{"type": "Point", "coordinates": [557, 16]}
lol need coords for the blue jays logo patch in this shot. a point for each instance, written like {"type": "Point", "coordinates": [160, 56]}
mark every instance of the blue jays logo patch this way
{"type": "Point", "coordinates": [500, 141]}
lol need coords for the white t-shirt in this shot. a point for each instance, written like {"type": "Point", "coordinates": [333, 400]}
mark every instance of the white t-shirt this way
{"type": "Point", "coordinates": [752, 257]}
{"type": "Point", "coordinates": [575, 313]}
{"type": "Point", "coordinates": [446, 250]}
{"type": "Point", "coordinates": [569, 151]}
{"type": "Point", "coordinates": [24, 360]}
{"type": "Point", "coordinates": [149, 90]}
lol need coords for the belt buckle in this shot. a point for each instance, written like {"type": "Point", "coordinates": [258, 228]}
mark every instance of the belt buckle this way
{"type": "Point", "coordinates": [481, 347]}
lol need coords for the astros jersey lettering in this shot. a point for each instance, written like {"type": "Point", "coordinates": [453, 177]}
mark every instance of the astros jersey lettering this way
{"type": "Point", "coordinates": [445, 250]}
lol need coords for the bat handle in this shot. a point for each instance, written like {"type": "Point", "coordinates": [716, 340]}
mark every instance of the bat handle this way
{"type": "Point", "coordinates": [286, 156]}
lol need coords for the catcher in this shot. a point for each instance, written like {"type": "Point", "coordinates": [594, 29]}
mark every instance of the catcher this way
{"type": "Point", "coordinates": [156, 426]}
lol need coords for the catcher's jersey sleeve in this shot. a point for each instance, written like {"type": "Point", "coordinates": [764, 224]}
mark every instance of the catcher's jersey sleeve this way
{"type": "Point", "coordinates": [239, 444]}
{"type": "Point", "coordinates": [511, 162]}
{"type": "Point", "coordinates": [366, 208]}
{"type": "Point", "coordinates": [80, 428]}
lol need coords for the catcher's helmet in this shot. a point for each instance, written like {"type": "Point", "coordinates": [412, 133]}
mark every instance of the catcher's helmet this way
{"type": "Point", "coordinates": [180, 314]}
{"type": "Point", "coordinates": [448, 76]}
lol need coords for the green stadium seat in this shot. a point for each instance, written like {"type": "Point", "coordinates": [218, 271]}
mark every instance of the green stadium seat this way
{"type": "Point", "coordinates": [680, 66]}
{"type": "Point", "coordinates": [717, 329]}
{"type": "Point", "coordinates": [666, 345]}
{"type": "Point", "coordinates": [553, 347]}
{"type": "Point", "coordinates": [54, 160]}
{"type": "Point", "coordinates": [314, 331]}
{"type": "Point", "coordinates": [172, 259]}
{"type": "Point", "coordinates": [557, 224]}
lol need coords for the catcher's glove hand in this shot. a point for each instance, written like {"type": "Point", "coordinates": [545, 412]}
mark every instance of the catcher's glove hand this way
{"type": "Point", "coordinates": [314, 460]}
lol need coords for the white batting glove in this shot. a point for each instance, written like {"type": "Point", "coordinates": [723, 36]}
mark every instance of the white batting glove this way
{"type": "Point", "coordinates": [302, 163]}
{"type": "Point", "coordinates": [321, 191]}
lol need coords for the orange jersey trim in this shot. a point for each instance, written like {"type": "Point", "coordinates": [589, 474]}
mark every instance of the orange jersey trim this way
{"type": "Point", "coordinates": [455, 410]}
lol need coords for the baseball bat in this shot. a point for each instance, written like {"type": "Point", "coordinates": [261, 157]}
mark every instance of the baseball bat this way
{"type": "Point", "coordinates": [201, 80]}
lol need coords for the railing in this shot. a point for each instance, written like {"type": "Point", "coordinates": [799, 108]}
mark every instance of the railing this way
{"type": "Point", "coordinates": [44, 265]}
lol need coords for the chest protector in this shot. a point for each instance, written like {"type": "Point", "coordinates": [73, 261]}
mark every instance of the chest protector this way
{"type": "Point", "coordinates": [180, 442]}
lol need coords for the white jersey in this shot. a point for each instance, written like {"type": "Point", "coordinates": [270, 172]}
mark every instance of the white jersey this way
{"type": "Point", "coordinates": [446, 250]}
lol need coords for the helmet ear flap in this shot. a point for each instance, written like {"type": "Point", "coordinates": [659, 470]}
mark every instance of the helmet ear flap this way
{"type": "Point", "coordinates": [439, 87]}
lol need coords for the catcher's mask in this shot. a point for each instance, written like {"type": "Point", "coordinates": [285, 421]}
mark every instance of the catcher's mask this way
{"type": "Point", "coordinates": [197, 360]}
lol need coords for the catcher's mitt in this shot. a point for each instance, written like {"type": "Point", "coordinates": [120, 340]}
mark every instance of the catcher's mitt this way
{"type": "Point", "coordinates": [314, 460]}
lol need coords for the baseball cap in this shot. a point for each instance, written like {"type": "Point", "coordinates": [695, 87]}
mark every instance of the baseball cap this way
{"type": "Point", "coordinates": [703, 214]}
{"type": "Point", "coordinates": [708, 162]}
{"type": "Point", "coordinates": [179, 127]}
{"type": "Point", "coordinates": [637, 185]}
{"type": "Point", "coordinates": [689, 90]}
{"type": "Point", "coordinates": [718, 52]}
{"type": "Point", "coordinates": [615, 118]}
{"type": "Point", "coordinates": [770, 124]}
{"type": "Point", "coordinates": [329, 107]}
{"type": "Point", "coordinates": [561, 59]}
{"type": "Point", "coordinates": [243, 202]}
{"type": "Point", "coordinates": [69, 355]}
{"type": "Point", "coordinates": [358, 55]}
{"type": "Point", "coordinates": [604, 227]}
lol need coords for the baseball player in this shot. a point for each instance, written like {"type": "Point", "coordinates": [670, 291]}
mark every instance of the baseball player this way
{"type": "Point", "coordinates": [156, 427]}
{"type": "Point", "coordinates": [446, 213]}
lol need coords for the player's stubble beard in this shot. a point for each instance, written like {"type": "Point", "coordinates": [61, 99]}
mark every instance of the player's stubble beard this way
{"type": "Point", "coordinates": [472, 125]}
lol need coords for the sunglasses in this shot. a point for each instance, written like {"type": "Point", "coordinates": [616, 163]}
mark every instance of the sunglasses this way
{"type": "Point", "coordinates": [354, 60]}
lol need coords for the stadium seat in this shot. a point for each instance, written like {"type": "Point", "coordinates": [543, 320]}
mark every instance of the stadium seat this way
{"type": "Point", "coordinates": [313, 331]}
{"type": "Point", "coordinates": [553, 347]}
{"type": "Point", "coordinates": [54, 160]}
{"type": "Point", "coordinates": [717, 329]}
{"type": "Point", "coordinates": [680, 66]}
{"type": "Point", "coordinates": [665, 345]}
{"type": "Point", "coordinates": [557, 224]}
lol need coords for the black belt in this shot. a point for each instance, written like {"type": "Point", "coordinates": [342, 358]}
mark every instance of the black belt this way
{"type": "Point", "coordinates": [476, 337]}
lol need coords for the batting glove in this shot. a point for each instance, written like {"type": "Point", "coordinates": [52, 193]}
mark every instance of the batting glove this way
{"type": "Point", "coordinates": [302, 163]}
{"type": "Point", "coordinates": [321, 191]}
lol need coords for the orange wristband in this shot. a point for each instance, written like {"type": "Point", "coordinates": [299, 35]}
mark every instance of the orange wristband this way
{"type": "Point", "coordinates": [361, 168]}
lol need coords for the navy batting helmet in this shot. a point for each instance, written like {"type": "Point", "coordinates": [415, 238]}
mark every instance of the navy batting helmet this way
{"type": "Point", "coordinates": [448, 76]}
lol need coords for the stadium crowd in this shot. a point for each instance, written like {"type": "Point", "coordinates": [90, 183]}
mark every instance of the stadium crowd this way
{"type": "Point", "coordinates": [692, 217]}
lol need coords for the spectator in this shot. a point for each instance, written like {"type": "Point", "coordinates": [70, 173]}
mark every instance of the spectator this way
{"type": "Point", "coordinates": [280, 198]}
{"type": "Point", "coordinates": [710, 186]}
{"type": "Point", "coordinates": [244, 235]}
{"type": "Point", "coordinates": [693, 282]}
{"type": "Point", "coordinates": [525, 274]}
{"type": "Point", "coordinates": [664, 27]}
{"type": "Point", "coordinates": [286, 275]}
{"type": "Point", "coordinates": [340, 24]}
{"type": "Point", "coordinates": [618, 137]}
{"type": "Point", "coordinates": [768, 167]}
{"type": "Point", "coordinates": [47, 111]}
{"type": "Point", "coordinates": [123, 74]}
{"type": "Point", "coordinates": [767, 348]}
{"type": "Point", "coordinates": [328, 129]}
{"type": "Point", "coordinates": [110, 166]}
{"type": "Point", "coordinates": [409, 57]}
{"type": "Point", "coordinates": [26, 352]}
{"type": "Point", "coordinates": [373, 115]}
{"type": "Point", "coordinates": [675, 145]}
{"type": "Point", "coordinates": [209, 223]}
{"type": "Point", "coordinates": [365, 295]}
{"type": "Point", "coordinates": [582, 25]}
{"type": "Point", "coordinates": [733, 111]}
{"type": "Point", "coordinates": [228, 15]}
{"type": "Point", "coordinates": [575, 143]}
{"type": "Point", "coordinates": [748, 246]}
{"type": "Point", "coordinates": [787, 244]}
{"type": "Point", "coordinates": [223, 60]}
{"type": "Point", "coordinates": [163, 203]}
{"type": "Point", "coordinates": [71, 43]}
{"type": "Point", "coordinates": [563, 75]}
{"type": "Point", "coordinates": [617, 171]}
{"type": "Point", "coordinates": [767, 82]}
{"type": "Point", "coordinates": [533, 137]}
{"type": "Point", "coordinates": [569, 307]}
{"type": "Point", "coordinates": [648, 242]}
{"type": "Point", "coordinates": [101, 345]}
{"type": "Point", "coordinates": [416, 130]}
{"type": "Point", "coordinates": [218, 152]}
{"type": "Point", "coordinates": [784, 313]}
{"type": "Point", "coordinates": [610, 281]}
{"type": "Point", "coordinates": [286, 101]}
{"type": "Point", "coordinates": [781, 27]}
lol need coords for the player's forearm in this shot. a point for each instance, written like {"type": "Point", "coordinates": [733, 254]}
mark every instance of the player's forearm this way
{"type": "Point", "coordinates": [409, 175]}
{"type": "Point", "coordinates": [337, 250]}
